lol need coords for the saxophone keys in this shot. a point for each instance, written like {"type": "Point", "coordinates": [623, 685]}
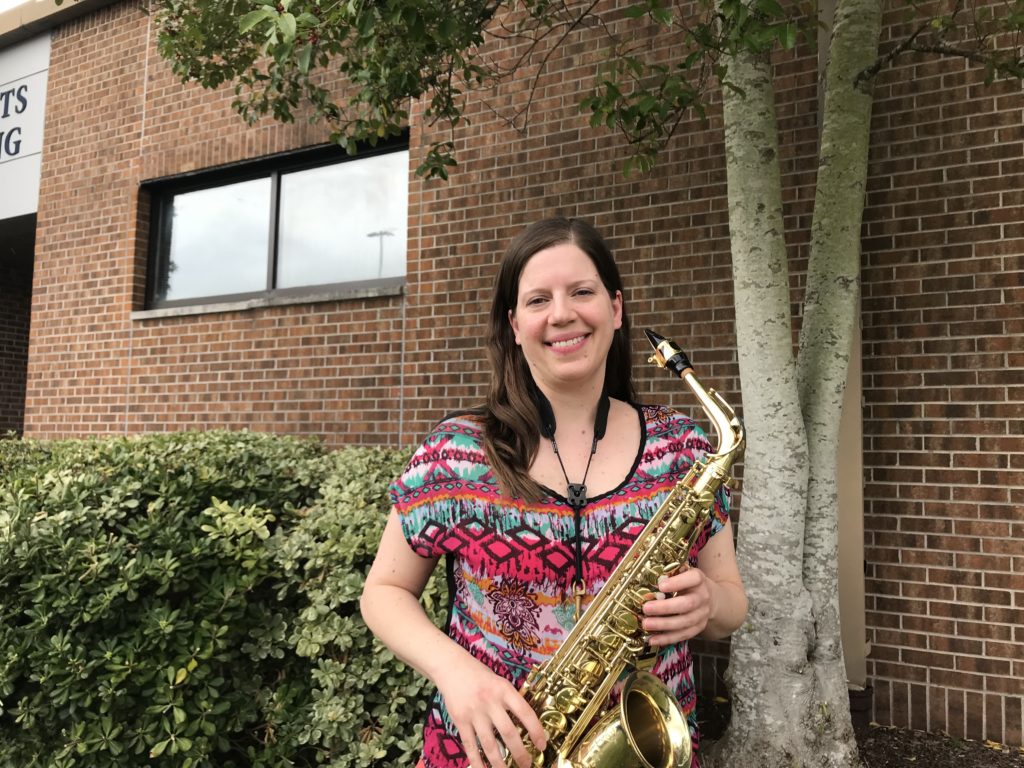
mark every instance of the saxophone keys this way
{"type": "Point", "coordinates": [625, 623]}
{"type": "Point", "coordinates": [672, 568]}
{"type": "Point", "coordinates": [568, 700]}
{"type": "Point", "coordinates": [639, 596]}
{"type": "Point", "coordinates": [589, 672]}
{"type": "Point", "coordinates": [678, 529]}
{"type": "Point", "coordinates": [650, 575]}
{"type": "Point", "coordinates": [637, 647]}
{"type": "Point", "coordinates": [554, 722]}
{"type": "Point", "coordinates": [607, 646]}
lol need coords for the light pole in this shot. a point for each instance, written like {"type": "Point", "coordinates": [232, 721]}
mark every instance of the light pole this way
{"type": "Point", "coordinates": [380, 235]}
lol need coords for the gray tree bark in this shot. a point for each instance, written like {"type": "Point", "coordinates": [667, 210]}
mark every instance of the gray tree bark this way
{"type": "Point", "coordinates": [831, 307]}
{"type": "Point", "coordinates": [786, 670]}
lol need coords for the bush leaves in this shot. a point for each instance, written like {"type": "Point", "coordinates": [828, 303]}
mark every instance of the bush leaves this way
{"type": "Point", "coordinates": [190, 600]}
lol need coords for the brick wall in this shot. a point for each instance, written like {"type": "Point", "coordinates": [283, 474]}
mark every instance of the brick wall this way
{"type": "Point", "coordinates": [119, 117]}
{"type": "Point", "coordinates": [15, 297]}
{"type": "Point", "coordinates": [943, 360]}
{"type": "Point", "coordinates": [942, 319]}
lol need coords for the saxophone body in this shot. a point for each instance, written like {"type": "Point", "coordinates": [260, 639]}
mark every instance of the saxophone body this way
{"type": "Point", "coordinates": [570, 690]}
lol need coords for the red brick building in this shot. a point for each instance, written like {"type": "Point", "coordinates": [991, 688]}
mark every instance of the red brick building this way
{"type": "Point", "coordinates": [118, 343]}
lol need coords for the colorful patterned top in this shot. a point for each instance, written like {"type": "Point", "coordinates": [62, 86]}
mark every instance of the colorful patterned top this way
{"type": "Point", "coordinates": [511, 564]}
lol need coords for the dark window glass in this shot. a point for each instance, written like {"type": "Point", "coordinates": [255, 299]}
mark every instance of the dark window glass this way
{"type": "Point", "coordinates": [280, 224]}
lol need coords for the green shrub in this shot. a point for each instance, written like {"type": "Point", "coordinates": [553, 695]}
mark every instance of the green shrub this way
{"type": "Point", "coordinates": [190, 600]}
{"type": "Point", "coordinates": [368, 708]}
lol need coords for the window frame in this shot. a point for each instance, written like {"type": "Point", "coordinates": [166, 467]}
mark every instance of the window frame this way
{"type": "Point", "coordinates": [162, 191]}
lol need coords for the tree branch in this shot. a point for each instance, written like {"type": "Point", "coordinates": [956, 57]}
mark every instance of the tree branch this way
{"type": "Point", "coordinates": [974, 56]}
{"type": "Point", "coordinates": [883, 61]}
{"type": "Point", "coordinates": [569, 24]}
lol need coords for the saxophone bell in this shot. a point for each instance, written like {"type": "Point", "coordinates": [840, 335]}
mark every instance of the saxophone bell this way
{"type": "Point", "coordinates": [646, 729]}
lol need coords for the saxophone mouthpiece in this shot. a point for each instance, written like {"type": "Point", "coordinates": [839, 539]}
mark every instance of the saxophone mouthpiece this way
{"type": "Point", "coordinates": [667, 354]}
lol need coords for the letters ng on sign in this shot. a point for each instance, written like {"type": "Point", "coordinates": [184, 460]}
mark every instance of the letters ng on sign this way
{"type": "Point", "coordinates": [13, 101]}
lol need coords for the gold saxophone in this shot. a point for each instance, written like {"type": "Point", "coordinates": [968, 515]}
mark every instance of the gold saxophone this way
{"type": "Point", "coordinates": [569, 691]}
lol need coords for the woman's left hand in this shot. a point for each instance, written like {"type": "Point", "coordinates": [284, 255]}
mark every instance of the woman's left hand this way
{"type": "Point", "coordinates": [685, 610]}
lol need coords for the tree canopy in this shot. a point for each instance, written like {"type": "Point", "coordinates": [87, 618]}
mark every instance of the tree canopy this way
{"type": "Point", "coordinates": [392, 52]}
{"type": "Point", "coordinates": [280, 56]}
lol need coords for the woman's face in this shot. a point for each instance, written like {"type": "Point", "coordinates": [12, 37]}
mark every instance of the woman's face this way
{"type": "Point", "coordinates": [564, 319]}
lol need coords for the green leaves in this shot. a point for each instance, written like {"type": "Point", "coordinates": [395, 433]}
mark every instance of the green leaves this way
{"type": "Point", "coordinates": [645, 102]}
{"type": "Point", "coordinates": [354, 66]}
{"type": "Point", "coordinates": [787, 34]}
{"type": "Point", "coordinates": [357, 66]}
{"type": "Point", "coordinates": [645, 99]}
{"type": "Point", "coordinates": [658, 10]}
{"type": "Point", "coordinates": [253, 18]}
{"type": "Point", "coordinates": [287, 26]}
{"type": "Point", "coordinates": [191, 600]}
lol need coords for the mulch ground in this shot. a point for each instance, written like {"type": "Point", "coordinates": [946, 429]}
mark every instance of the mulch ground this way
{"type": "Point", "coordinates": [886, 747]}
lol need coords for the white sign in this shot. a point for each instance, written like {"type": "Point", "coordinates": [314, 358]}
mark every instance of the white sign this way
{"type": "Point", "coordinates": [23, 70]}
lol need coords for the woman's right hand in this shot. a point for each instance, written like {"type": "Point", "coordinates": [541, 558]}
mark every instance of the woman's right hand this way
{"type": "Point", "coordinates": [482, 706]}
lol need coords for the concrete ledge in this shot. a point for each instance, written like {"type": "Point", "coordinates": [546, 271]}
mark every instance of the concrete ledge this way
{"type": "Point", "coordinates": [340, 294]}
{"type": "Point", "coordinates": [37, 16]}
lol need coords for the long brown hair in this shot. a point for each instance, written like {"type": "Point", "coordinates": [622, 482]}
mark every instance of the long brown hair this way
{"type": "Point", "coordinates": [511, 421]}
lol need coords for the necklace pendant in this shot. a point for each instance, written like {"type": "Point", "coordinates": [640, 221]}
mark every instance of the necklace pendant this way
{"type": "Point", "coordinates": [577, 493]}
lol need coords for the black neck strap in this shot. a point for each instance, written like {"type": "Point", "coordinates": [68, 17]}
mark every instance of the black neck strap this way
{"type": "Point", "coordinates": [547, 415]}
{"type": "Point", "coordinates": [576, 493]}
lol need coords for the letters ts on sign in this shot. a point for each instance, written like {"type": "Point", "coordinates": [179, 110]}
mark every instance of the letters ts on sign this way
{"type": "Point", "coordinates": [13, 101]}
{"type": "Point", "coordinates": [23, 75]}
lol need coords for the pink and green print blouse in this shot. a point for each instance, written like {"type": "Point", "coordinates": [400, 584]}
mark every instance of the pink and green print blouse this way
{"type": "Point", "coordinates": [511, 564]}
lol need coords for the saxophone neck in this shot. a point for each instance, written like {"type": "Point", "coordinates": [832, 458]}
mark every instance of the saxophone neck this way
{"type": "Point", "coordinates": [724, 419]}
{"type": "Point", "coordinates": [727, 424]}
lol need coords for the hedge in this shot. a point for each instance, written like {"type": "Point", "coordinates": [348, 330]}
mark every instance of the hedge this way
{"type": "Point", "coordinates": [191, 600]}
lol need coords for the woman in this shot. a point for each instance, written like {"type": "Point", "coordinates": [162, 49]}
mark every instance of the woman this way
{"type": "Point", "coordinates": [534, 498]}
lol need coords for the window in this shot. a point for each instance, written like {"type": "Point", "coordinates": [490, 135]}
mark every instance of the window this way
{"type": "Point", "coordinates": [287, 226]}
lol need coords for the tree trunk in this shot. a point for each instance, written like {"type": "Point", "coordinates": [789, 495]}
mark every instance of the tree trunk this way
{"type": "Point", "coordinates": [768, 663]}
{"type": "Point", "coordinates": [786, 671]}
{"type": "Point", "coordinates": [831, 308]}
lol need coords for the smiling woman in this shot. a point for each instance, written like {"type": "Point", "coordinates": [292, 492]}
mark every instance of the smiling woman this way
{"type": "Point", "coordinates": [534, 498]}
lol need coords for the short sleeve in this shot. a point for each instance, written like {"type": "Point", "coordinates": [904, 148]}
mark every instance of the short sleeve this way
{"type": "Point", "coordinates": [441, 485]}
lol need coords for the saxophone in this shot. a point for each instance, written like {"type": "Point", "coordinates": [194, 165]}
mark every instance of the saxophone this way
{"type": "Point", "coordinates": [569, 691]}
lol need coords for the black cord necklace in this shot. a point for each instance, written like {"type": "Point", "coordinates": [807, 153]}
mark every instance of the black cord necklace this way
{"type": "Point", "coordinates": [575, 493]}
